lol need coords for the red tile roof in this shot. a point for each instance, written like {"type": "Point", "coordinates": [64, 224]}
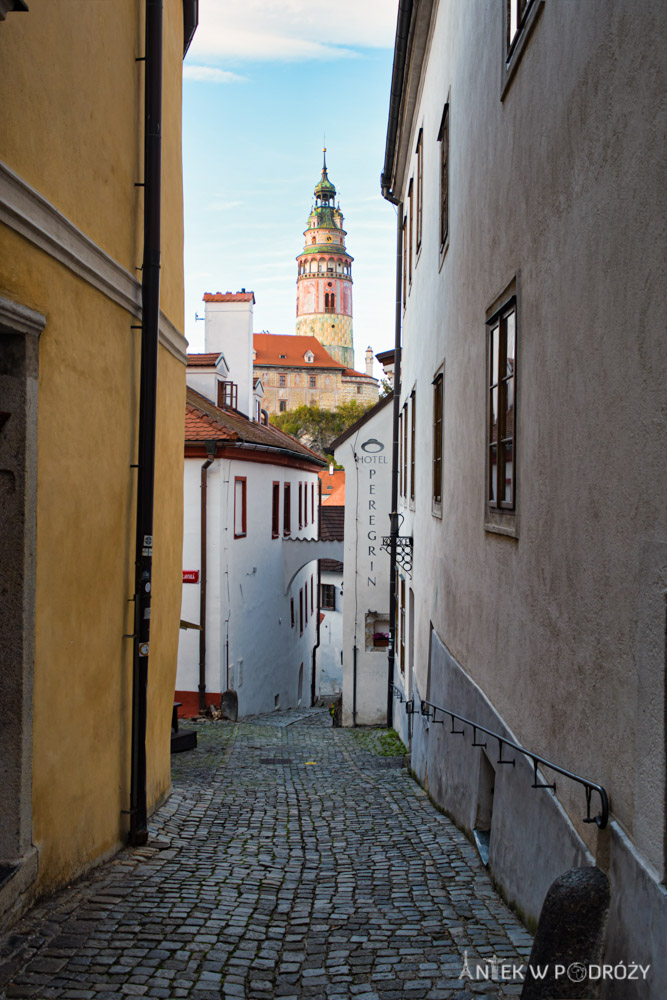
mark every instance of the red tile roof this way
{"type": "Point", "coordinates": [333, 487]}
{"type": "Point", "coordinates": [229, 297]}
{"type": "Point", "coordinates": [203, 360]}
{"type": "Point", "coordinates": [335, 499]}
{"type": "Point", "coordinates": [286, 350]}
{"type": "Point", "coordinates": [204, 421]}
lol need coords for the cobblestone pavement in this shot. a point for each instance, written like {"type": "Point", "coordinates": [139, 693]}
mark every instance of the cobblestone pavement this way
{"type": "Point", "coordinates": [292, 860]}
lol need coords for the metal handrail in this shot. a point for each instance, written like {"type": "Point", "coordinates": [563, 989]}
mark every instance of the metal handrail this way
{"type": "Point", "coordinates": [600, 820]}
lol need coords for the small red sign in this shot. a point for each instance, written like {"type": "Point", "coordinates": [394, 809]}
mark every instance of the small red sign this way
{"type": "Point", "coordinates": [190, 576]}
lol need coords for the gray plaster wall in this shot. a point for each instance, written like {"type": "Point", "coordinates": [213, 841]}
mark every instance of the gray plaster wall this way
{"type": "Point", "coordinates": [555, 187]}
{"type": "Point", "coordinates": [529, 830]}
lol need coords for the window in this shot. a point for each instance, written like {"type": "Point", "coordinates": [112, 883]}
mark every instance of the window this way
{"type": "Point", "coordinates": [291, 610]}
{"type": "Point", "coordinates": [239, 507]}
{"type": "Point", "coordinates": [400, 454]}
{"type": "Point", "coordinates": [360, 389]}
{"type": "Point", "coordinates": [443, 139]}
{"type": "Point", "coordinates": [410, 231]}
{"type": "Point", "coordinates": [275, 510]}
{"type": "Point", "coordinates": [519, 19]}
{"type": "Point", "coordinates": [301, 505]}
{"type": "Point", "coordinates": [287, 509]}
{"type": "Point", "coordinates": [420, 188]}
{"type": "Point", "coordinates": [413, 410]}
{"type": "Point", "coordinates": [282, 380]}
{"type": "Point", "coordinates": [282, 405]}
{"type": "Point", "coordinates": [305, 504]}
{"type": "Point", "coordinates": [328, 597]}
{"type": "Point", "coordinates": [312, 381]}
{"type": "Point", "coordinates": [405, 262]}
{"type": "Point", "coordinates": [228, 395]}
{"type": "Point", "coordinates": [312, 502]}
{"type": "Point", "coordinates": [312, 601]}
{"type": "Point", "coordinates": [305, 603]}
{"type": "Point", "coordinates": [301, 611]}
{"type": "Point", "coordinates": [401, 661]}
{"type": "Point", "coordinates": [501, 434]}
{"type": "Point", "coordinates": [517, 11]}
{"type": "Point", "coordinates": [438, 405]}
{"type": "Point", "coordinates": [405, 450]}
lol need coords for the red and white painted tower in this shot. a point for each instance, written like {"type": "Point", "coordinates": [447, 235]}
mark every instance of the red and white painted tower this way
{"type": "Point", "coordinates": [324, 283]}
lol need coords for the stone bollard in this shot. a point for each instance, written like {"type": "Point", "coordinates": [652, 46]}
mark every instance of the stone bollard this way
{"type": "Point", "coordinates": [570, 937]}
{"type": "Point", "coordinates": [229, 706]}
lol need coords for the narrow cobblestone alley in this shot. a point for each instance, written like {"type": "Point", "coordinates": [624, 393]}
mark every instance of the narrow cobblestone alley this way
{"type": "Point", "coordinates": [292, 860]}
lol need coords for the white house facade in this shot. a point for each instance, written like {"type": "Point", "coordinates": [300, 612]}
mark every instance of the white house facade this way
{"type": "Point", "coordinates": [330, 651]}
{"type": "Point", "coordinates": [521, 155]}
{"type": "Point", "coordinates": [364, 450]}
{"type": "Point", "coordinates": [251, 508]}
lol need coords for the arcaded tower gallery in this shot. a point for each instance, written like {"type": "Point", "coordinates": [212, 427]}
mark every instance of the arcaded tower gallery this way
{"type": "Point", "coordinates": [324, 284]}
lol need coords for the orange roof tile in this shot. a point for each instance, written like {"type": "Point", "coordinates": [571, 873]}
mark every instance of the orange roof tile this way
{"type": "Point", "coordinates": [229, 296]}
{"type": "Point", "coordinates": [204, 421]}
{"type": "Point", "coordinates": [333, 486]}
{"type": "Point", "coordinates": [286, 350]}
{"type": "Point", "coordinates": [335, 499]}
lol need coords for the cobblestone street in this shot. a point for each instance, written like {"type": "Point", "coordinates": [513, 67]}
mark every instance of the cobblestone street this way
{"type": "Point", "coordinates": [292, 860]}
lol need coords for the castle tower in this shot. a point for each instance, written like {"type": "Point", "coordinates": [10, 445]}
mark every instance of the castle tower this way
{"type": "Point", "coordinates": [324, 283]}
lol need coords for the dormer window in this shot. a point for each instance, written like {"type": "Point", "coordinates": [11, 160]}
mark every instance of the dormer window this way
{"type": "Point", "coordinates": [282, 356]}
{"type": "Point", "coordinates": [309, 357]}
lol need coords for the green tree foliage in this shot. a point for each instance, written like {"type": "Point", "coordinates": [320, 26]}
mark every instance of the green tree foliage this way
{"type": "Point", "coordinates": [317, 428]}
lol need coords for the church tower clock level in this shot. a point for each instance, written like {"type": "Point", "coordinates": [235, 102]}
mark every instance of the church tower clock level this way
{"type": "Point", "coordinates": [324, 283]}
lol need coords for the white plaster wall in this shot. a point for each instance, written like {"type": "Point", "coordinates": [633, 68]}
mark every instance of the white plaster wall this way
{"type": "Point", "coordinates": [561, 627]}
{"type": "Point", "coordinates": [229, 329]}
{"type": "Point", "coordinates": [366, 568]}
{"type": "Point", "coordinates": [248, 610]}
{"type": "Point", "coordinates": [204, 382]}
{"type": "Point", "coordinates": [329, 660]}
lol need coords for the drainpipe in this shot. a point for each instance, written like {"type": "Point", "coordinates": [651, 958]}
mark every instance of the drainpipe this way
{"type": "Point", "coordinates": [313, 682]}
{"type": "Point", "coordinates": [150, 319]}
{"type": "Point", "coordinates": [354, 685]}
{"type": "Point", "coordinates": [202, 581]}
{"type": "Point", "coordinates": [394, 473]}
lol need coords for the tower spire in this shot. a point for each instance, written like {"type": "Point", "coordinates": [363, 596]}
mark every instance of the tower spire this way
{"type": "Point", "coordinates": [324, 283]}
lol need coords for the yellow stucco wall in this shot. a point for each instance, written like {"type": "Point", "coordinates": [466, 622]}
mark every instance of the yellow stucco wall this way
{"type": "Point", "coordinates": [74, 132]}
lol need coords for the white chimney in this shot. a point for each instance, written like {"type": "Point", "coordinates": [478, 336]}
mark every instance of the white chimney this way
{"type": "Point", "coordinates": [369, 361]}
{"type": "Point", "coordinates": [229, 324]}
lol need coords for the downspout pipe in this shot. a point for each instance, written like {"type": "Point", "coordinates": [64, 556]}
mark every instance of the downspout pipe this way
{"type": "Point", "coordinates": [391, 658]}
{"type": "Point", "coordinates": [150, 318]}
{"type": "Point", "coordinates": [202, 581]}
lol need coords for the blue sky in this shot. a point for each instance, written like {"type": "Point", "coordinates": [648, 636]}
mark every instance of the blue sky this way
{"type": "Point", "coordinates": [264, 82]}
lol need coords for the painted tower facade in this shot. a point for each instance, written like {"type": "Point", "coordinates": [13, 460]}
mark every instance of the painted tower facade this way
{"type": "Point", "coordinates": [324, 283]}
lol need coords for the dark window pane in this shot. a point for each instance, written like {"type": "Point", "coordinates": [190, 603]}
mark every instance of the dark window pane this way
{"type": "Point", "coordinates": [493, 415]}
{"type": "Point", "coordinates": [495, 355]}
{"type": "Point", "coordinates": [508, 491]}
{"type": "Point", "coordinates": [493, 474]}
{"type": "Point", "coordinates": [510, 344]}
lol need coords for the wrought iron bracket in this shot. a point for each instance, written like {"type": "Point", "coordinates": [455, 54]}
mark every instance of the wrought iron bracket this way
{"type": "Point", "coordinates": [403, 551]}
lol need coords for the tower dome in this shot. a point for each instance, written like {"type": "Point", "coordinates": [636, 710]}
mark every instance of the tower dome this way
{"type": "Point", "coordinates": [324, 282]}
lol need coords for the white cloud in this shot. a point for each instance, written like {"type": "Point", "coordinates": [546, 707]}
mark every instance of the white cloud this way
{"type": "Point", "coordinates": [210, 74]}
{"type": "Point", "coordinates": [291, 29]}
{"type": "Point", "coordinates": [224, 206]}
